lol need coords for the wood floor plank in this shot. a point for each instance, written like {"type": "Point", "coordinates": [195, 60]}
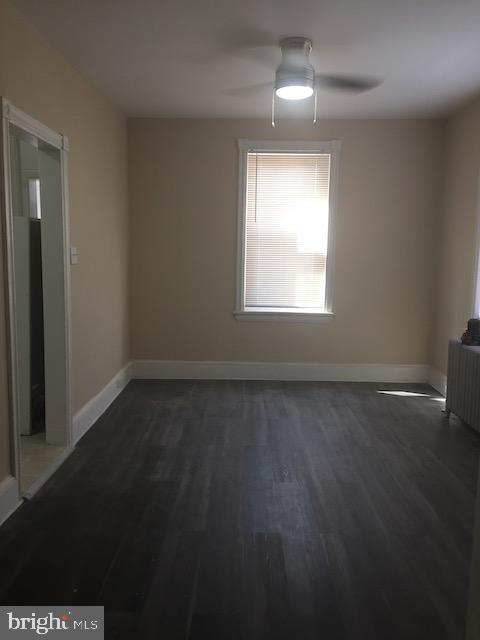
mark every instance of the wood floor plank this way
{"type": "Point", "coordinates": [254, 511]}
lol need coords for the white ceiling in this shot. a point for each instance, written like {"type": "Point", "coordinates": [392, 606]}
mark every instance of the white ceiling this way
{"type": "Point", "coordinates": [186, 58]}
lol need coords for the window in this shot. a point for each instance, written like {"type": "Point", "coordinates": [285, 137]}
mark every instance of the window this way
{"type": "Point", "coordinates": [285, 230]}
{"type": "Point", "coordinates": [34, 198]}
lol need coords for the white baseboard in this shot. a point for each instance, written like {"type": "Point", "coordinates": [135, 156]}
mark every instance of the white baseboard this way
{"type": "Point", "coordinates": [82, 421]}
{"type": "Point", "coordinates": [169, 369]}
{"type": "Point", "coordinates": [438, 381]}
{"type": "Point", "coordinates": [202, 370]}
{"type": "Point", "coordinates": [205, 370]}
{"type": "Point", "coordinates": [90, 412]}
{"type": "Point", "coordinates": [9, 497]}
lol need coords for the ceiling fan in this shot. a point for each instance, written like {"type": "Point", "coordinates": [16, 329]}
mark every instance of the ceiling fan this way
{"type": "Point", "coordinates": [295, 77]}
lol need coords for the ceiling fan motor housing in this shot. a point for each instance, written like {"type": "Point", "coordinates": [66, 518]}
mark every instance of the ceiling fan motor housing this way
{"type": "Point", "coordinates": [295, 67]}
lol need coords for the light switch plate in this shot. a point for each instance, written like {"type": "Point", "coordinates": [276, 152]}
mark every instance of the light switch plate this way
{"type": "Point", "coordinates": [73, 255]}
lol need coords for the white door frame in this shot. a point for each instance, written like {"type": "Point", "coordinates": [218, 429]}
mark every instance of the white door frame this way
{"type": "Point", "coordinates": [13, 115]}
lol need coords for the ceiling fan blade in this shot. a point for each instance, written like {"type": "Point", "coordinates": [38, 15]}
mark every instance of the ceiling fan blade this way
{"type": "Point", "coordinates": [250, 37]}
{"type": "Point", "coordinates": [352, 84]}
{"type": "Point", "coordinates": [252, 44]}
{"type": "Point", "coordinates": [266, 56]}
{"type": "Point", "coordinates": [249, 91]}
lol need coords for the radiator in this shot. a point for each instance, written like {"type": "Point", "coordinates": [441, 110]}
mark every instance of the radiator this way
{"type": "Point", "coordinates": [463, 383]}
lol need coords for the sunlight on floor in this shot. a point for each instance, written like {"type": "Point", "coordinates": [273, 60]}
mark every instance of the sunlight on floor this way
{"type": "Point", "coordinates": [406, 394]}
{"type": "Point", "coordinates": [36, 457]}
{"type": "Point", "coordinates": [411, 394]}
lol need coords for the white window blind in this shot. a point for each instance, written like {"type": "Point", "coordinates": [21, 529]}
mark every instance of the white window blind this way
{"type": "Point", "coordinates": [286, 231]}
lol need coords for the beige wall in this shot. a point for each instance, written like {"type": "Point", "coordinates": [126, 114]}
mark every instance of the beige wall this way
{"type": "Point", "coordinates": [39, 80]}
{"type": "Point", "coordinates": [183, 207]}
{"type": "Point", "coordinates": [457, 244]}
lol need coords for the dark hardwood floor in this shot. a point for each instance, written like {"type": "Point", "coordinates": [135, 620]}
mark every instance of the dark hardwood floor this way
{"type": "Point", "coordinates": [257, 510]}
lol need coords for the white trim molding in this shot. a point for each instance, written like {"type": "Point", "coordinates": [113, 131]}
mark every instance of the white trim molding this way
{"type": "Point", "coordinates": [82, 421]}
{"type": "Point", "coordinates": [24, 121]}
{"type": "Point", "coordinates": [329, 147]}
{"type": "Point", "coordinates": [202, 370]}
{"type": "Point", "coordinates": [283, 316]}
{"type": "Point", "coordinates": [9, 497]}
{"type": "Point", "coordinates": [13, 115]}
{"type": "Point", "coordinates": [93, 409]}
{"type": "Point", "coordinates": [476, 258]}
{"type": "Point", "coordinates": [438, 381]}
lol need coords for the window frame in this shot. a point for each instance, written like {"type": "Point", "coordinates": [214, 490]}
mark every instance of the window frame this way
{"type": "Point", "coordinates": [331, 147]}
{"type": "Point", "coordinates": [476, 259]}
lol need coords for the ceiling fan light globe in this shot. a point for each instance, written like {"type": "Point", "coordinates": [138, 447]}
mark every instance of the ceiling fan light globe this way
{"type": "Point", "coordinates": [294, 92]}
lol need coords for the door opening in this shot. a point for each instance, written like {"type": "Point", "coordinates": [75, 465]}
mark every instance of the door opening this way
{"type": "Point", "coordinates": [38, 277]}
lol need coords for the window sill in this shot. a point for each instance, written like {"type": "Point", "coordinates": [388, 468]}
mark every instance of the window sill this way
{"type": "Point", "coordinates": [284, 316]}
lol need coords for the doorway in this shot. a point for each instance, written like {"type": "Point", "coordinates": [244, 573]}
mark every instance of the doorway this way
{"type": "Point", "coordinates": [34, 159]}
